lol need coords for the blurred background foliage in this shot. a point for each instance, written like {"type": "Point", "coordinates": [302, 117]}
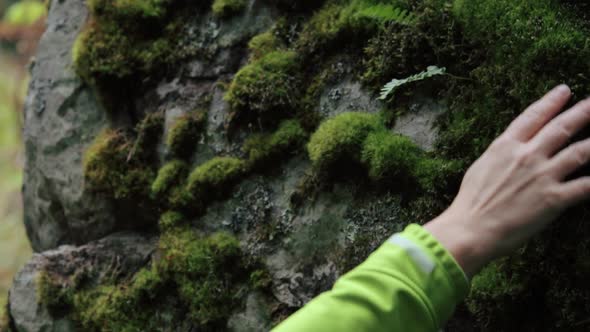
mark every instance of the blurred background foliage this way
{"type": "Point", "coordinates": [20, 29]}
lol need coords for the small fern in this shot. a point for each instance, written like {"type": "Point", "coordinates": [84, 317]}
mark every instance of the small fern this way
{"type": "Point", "coordinates": [387, 13]}
{"type": "Point", "coordinates": [390, 87]}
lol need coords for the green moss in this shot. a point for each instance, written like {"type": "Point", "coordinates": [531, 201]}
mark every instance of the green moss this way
{"type": "Point", "coordinates": [531, 46]}
{"type": "Point", "coordinates": [126, 41]}
{"type": "Point", "coordinates": [267, 150]}
{"type": "Point", "coordinates": [170, 175]}
{"type": "Point", "coordinates": [207, 273]}
{"type": "Point", "coordinates": [127, 9]}
{"type": "Point", "coordinates": [263, 44]}
{"type": "Point", "coordinates": [171, 220]}
{"type": "Point", "coordinates": [389, 156]}
{"type": "Point", "coordinates": [344, 24]}
{"type": "Point", "coordinates": [111, 167]}
{"type": "Point", "coordinates": [198, 281]}
{"type": "Point", "coordinates": [495, 290]}
{"type": "Point", "coordinates": [341, 138]}
{"type": "Point", "coordinates": [185, 134]}
{"type": "Point", "coordinates": [213, 179]}
{"type": "Point", "coordinates": [437, 175]}
{"type": "Point", "coordinates": [267, 89]}
{"type": "Point", "coordinates": [56, 295]}
{"type": "Point", "coordinates": [149, 131]}
{"type": "Point", "coordinates": [227, 8]}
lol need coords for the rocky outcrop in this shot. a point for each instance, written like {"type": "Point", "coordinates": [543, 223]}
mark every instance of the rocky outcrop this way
{"type": "Point", "coordinates": [304, 238]}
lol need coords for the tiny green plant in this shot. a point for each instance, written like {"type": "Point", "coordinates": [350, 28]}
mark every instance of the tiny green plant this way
{"type": "Point", "coordinates": [390, 87]}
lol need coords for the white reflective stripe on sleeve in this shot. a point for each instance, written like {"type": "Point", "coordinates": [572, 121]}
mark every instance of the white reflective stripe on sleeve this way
{"type": "Point", "coordinates": [419, 257]}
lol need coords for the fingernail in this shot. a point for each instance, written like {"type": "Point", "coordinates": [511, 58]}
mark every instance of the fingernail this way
{"type": "Point", "coordinates": [562, 89]}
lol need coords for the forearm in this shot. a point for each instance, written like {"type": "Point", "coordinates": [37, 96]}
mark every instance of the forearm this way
{"type": "Point", "coordinates": [410, 283]}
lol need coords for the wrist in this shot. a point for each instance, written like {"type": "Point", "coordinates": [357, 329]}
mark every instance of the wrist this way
{"type": "Point", "coordinates": [452, 232]}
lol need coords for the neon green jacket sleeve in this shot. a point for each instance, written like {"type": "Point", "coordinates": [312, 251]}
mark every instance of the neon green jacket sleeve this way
{"type": "Point", "coordinates": [411, 283]}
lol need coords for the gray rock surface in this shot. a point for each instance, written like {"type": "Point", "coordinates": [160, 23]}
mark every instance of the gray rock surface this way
{"type": "Point", "coordinates": [120, 254]}
{"type": "Point", "coordinates": [62, 117]}
{"type": "Point", "coordinates": [347, 96]}
{"type": "Point", "coordinates": [418, 122]}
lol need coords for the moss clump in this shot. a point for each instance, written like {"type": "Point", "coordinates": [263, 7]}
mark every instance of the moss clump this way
{"type": "Point", "coordinates": [149, 131]}
{"type": "Point", "coordinates": [341, 139]}
{"type": "Point", "coordinates": [227, 8]}
{"type": "Point", "coordinates": [170, 175]}
{"type": "Point", "coordinates": [362, 139]}
{"type": "Point", "coordinates": [346, 24]}
{"type": "Point", "coordinates": [212, 180]}
{"type": "Point", "coordinates": [170, 220]}
{"type": "Point", "coordinates": [207, 271]}
{"type": "Point", "coordinates": [267, 89]}
{"type": "Point", "coordinates": [111, 167]}
{"type": "Point", "coordinates": [264, 149]}
{"type": "Point", "coordinates": [493, 289]}
{"type": "Point", "coordinates": [389, 156]}
{"type": "Point", "coordinates": [262, 44]}
{"type": "Point", "coordinates": [197, 282]}
{"type": "Point", "coordinates": [125, 42]}
{"type": "Point", "coordinates": [53, 293]}
{"type": "Point", "coordinates": [185, 134]}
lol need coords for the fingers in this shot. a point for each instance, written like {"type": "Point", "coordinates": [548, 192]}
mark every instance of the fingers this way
{"type": "Point", "coordinates": [559, 131]}
{"type": "Point", "coordinates": [525, 126]}
{"type": "Point", "coordinates": [575, 191]}
{"type": "Point", "coordinates": [570, 159]}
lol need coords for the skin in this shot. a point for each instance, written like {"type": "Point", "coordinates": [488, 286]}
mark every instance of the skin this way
{"type": "Point", "coordinates": [517, 187]}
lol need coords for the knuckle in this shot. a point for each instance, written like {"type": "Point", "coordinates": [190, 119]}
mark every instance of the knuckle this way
{"type": "Point", "coordinates": [563, 130]}
{"type": "Point", "coordinates": [553, 196]}
{"type": "Point", "coordinates": [526, 156]}
{"type": "Point", "coordinates": [579, 155]}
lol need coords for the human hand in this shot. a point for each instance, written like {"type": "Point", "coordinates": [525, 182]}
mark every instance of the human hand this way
{"type": "Point", "coordinates": [517, 187]}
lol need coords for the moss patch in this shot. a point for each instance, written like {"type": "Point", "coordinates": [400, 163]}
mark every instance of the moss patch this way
{"type": "Point", "coordinates": [227, 8]}
{"type": "Point", "coordinates": [108, 168]}
{"type": "Point", "coordinates": [185, 134]}
{"type": "Point", "coordinates": [122, 166]}
{"type": "Point", "coordinates": [341, 138]}
{"type": "Point", "coordinates": [267, 88]}
{"type": "Point", "coordinates": [170, 175]}
{"type": "Point", "coordinates": [55, 294]}
{"type": "Point", "coordinates": [213, 180]}
{"type": "Point", "coordinates": [263, 44]}
{"type": "Point", "coordinates": [198, 282]}
{"type": "Point", "coordinates": [268, 150]}
{"type": "Point", "coordinates": [170, 220]}
{"type": "Point", "coordinates": [360, 138]}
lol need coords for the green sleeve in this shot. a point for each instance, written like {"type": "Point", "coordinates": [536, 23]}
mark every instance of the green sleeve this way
{"type": "Point", "coordinates": [411, 283]}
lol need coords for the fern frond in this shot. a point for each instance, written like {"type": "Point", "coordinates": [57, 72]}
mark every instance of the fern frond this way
{"type": "Point", "coordinates": [390, 87]}
{"type": "Point", "coordinates": [387, 13]}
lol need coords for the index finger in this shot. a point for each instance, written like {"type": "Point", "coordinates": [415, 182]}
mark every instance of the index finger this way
{"type": "Point", "coordinates": [536, 116]}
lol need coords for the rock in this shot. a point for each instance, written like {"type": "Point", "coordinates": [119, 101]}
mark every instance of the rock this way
{"type": "Point", "coordinates": [62, 117]}
{"type": "Point", "coordinates": [254, 318]}
{"type": "Point", "coordinates": [347, 96]}
{"type": "Point", "coordinates": [120, 254]}
{"type": "Point", "coordinates": [305, 247]}
{"type": "Point", "coordinates": [418, 122]}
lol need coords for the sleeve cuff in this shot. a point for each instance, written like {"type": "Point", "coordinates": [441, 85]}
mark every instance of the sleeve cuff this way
{"type": "Point", "coordinates": [442, 279]}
